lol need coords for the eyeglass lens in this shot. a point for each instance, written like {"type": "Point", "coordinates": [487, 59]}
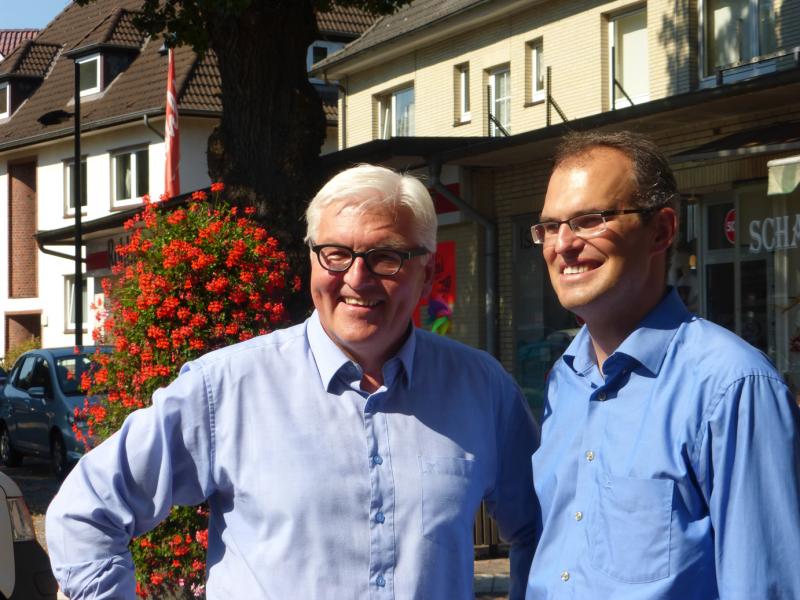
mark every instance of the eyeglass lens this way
{"type": "Point", "coordinates": [379, 261]}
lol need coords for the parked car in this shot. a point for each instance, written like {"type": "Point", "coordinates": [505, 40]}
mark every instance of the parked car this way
{"type": "Point", "coordinates": [3, 375]}
{"type": "Point", "coordinates": [37, 407]}
{"type": "Point", "coordinates": [24, 567]}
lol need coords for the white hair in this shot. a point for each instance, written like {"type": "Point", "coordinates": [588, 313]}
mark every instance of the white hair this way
{"type": "Point", "coordinates": [370, 187]}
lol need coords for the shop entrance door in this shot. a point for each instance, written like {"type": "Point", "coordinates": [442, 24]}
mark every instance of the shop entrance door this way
{"type": "Point", "coordinates": [738, 286]}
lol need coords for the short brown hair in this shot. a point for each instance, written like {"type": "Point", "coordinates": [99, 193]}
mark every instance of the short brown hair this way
{"type": "Point", "coordinates": [655, 182]}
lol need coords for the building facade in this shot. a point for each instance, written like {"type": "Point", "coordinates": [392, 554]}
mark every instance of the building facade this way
{"type": "Point", "coordinates": [486, 89]}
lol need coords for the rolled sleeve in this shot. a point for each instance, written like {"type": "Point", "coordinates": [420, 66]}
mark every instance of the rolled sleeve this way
{"type": "Point", "coordinates": [161, 456]}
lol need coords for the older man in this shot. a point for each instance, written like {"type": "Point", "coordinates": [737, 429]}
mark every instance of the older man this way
{"type": "Point", "coordinates": [669, 459]}
{"type": "Point", "coordinates": [341, 458]}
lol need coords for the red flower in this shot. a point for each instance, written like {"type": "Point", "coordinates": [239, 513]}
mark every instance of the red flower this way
{"type": "Point", "coordinates": [217, 186]}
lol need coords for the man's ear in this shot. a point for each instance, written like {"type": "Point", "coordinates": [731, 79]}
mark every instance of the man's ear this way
{"type": "Point", "coordinates": [430, 271]}
{"type": "Point", "coordinates": [665, 224]}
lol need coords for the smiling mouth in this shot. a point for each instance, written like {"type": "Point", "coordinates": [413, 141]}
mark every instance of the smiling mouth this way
{"type": "Point", "coordinates": [576, 269]}
{"type": "Point", "coordinates": [360, 302]}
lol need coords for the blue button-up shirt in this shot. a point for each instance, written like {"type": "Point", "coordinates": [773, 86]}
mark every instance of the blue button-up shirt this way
{"type": "Point", "coordinates": [316, 488]}
{"type": "Point", "coordinates": [675, 476]}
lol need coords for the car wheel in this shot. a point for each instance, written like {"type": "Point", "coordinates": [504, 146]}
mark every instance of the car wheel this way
{"type": "Point", "coordinates": [8, 455]}
{"type": "Point", "coordinates": [58, 456]}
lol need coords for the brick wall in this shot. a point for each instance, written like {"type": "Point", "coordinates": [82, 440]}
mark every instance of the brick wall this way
{"type": "Point", "coordinates": [22, 328]}
{"type": "Point", "coordinates": [22, 250]}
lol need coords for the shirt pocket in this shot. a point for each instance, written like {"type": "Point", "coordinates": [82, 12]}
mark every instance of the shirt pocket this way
{"type": "Point", "coordinates": [447, 503]}
{"type": "Point", "coordinates": [629, 536]}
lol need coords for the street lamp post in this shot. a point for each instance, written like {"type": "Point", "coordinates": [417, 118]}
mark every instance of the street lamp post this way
{"type": "Point", "coordinates": [77, 290]}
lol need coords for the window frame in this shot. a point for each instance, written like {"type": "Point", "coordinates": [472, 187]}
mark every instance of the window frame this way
{"type": "Point", "coordinates": [97, 57]}
{"type": "Point", "coordinates": [115, 156]}
{"type": "Point", "coordinates": [5, 90]}
{"type": "Point", "coordinates": [69, 298]}
{"type": "Point", "coordinates": [69, 208]}
{"type": "Point", "coordinates": [735, 71]}
{"type": "Point", "coordinates": [493, 74]}
{"type": "Point", "coordinates": [621, 101]}
{"type": "Point", "coordinates": [463, 98]}
{"type": "Point", "coordinates": [537, 70]}
{"type": "Point", "coordinates": [387, 113]}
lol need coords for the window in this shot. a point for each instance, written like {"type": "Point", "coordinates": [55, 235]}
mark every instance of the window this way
{"type": "Point", "coordinates": [500, 101]}
{"type": "Point", "coordinates": [462, 92]}
{"type": "Point", "coordinates": [737, 31]}
{"type": "Point", "coordinates": [4, 100]}
{"type": "Point", "coordinates": [69, 200]}
{"type": "Point", "coordinates": [536, 71]}
{"type": "Point", "coordinates": [396, 114]}
{"type": "Point", "coordinates": [69, 302]}
{"type": "Point", "coordinates": [320, 50]}
{"type": "Point", "coordinates": [89, 68]}
{"type": "Point", "coordinates": [129, 175]}
{"type": "Point", "coordinates": [627, 35]}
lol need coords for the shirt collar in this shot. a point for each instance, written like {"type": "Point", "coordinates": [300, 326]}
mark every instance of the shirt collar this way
{"type": "Point", "coordinates": [330, 359]}
{"type": "Point", "coordinates": [647, 344]}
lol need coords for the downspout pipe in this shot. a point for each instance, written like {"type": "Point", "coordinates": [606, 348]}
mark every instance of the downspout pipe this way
{"type": "Point", "coordinates": [490, 255]}
{"type": "Point", "coordinates": [146, 120]}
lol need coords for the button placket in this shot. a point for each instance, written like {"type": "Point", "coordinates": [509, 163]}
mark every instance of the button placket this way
{"type": "Point", "coordinates": [382, 544]}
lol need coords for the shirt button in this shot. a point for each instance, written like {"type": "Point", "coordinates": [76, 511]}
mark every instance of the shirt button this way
{"type": "Point", "coordinates": [601, 396]}
{"type": "Point", "coordinates": [589, 455]}
{"type": "Point", "coordinates": [380, 517]}
{"type": "Point", "coordinates": [380, 581]}
{"type": "Point", "coordinates": [578, 516]}
{"type": "Point", "coordinates": [377, 460]}
{"type": "Point", "coordinates": [565, 576]}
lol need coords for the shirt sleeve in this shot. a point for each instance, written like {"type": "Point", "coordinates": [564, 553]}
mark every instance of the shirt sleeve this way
{"type": "Point", "coordinates": [513, 502]}
{"type": "Point", "coordinates": [161, 456]}
{"type": "Point", "coordinates": [753, 451]}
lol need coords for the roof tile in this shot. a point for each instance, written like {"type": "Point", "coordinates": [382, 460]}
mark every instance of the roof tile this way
{"type": "Point", "coordinates": [30, 59]}
{"type": "Point", "coordinates": [11, 38]}
{"type": "Point", "coordinates": [344, 19]}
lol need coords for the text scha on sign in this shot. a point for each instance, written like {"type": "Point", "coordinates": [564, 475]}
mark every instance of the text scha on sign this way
{"type": "Point", "coordinates": [774, 233]}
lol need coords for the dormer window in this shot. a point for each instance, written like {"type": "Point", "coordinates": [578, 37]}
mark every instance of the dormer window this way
{"type": "Point", "coordinates": [89, 74]}
{"type": "Point", "coordinates": [4, 103]}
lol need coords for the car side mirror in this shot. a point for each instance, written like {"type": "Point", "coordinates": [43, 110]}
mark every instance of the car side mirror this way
{"type": "Point", "coordinates": [36, 391]}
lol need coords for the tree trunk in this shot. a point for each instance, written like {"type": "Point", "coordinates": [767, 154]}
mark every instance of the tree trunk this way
{"type": "Point", "coordinates": [266, 147]}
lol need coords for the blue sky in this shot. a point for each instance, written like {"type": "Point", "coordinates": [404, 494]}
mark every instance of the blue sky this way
{"type": "Point", "coordinates": [29, 14]}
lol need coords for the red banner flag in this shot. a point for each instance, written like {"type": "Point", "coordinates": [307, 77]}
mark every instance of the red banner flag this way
{"type": "Point", "coordinates": [172, 139]}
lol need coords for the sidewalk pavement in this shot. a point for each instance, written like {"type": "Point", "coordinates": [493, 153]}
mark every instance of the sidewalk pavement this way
{"type": "Point", "coordinates": [491, 577]}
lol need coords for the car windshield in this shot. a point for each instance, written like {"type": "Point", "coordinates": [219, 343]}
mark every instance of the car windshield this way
{"type": "Point", "coordinates": [69, 370]}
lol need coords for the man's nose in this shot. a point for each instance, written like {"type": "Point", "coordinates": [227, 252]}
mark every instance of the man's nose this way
{"type": "Point", "coordinates": [358, 274]}
{"type": "Point", "coordinates": [565, 238]}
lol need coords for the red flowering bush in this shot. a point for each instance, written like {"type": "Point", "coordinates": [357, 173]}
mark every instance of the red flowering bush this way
{"type": "Point", "coordinates": [192, 279]}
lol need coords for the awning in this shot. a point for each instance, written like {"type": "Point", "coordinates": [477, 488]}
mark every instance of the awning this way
{"type": "Point", "coordinates": [784, 175]}
{"type": "Point", "coordinates": [777, 137]}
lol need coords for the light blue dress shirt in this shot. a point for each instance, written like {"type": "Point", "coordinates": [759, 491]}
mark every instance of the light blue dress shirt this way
{"type": "Point", "coordinates": [316, 488]}
{"type": "Point", "coordinates": [674, 477]}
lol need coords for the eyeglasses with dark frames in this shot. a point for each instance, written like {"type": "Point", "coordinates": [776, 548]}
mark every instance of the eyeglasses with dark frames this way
{"type": "Point", "coordinates": [383, 262]}
{"type": "Point", "coordinates": [584, 226]}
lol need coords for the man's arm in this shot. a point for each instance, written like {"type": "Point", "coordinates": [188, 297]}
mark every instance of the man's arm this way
{"type": "Point", "coordinates": [161, 456]}
{"type": "Point", "coordinates": [513, 502]}
{"type": "Point", "coordinates": [755, 495]}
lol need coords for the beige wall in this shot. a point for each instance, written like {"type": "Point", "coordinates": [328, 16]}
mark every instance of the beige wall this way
{"type": "Point", "coordinates": [575, 38]}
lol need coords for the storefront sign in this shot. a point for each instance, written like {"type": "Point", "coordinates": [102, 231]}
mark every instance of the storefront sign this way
{"type": "Point", "coordinates": [774, 233]}
{"type": "Point", "coordinates": [730, 226]}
